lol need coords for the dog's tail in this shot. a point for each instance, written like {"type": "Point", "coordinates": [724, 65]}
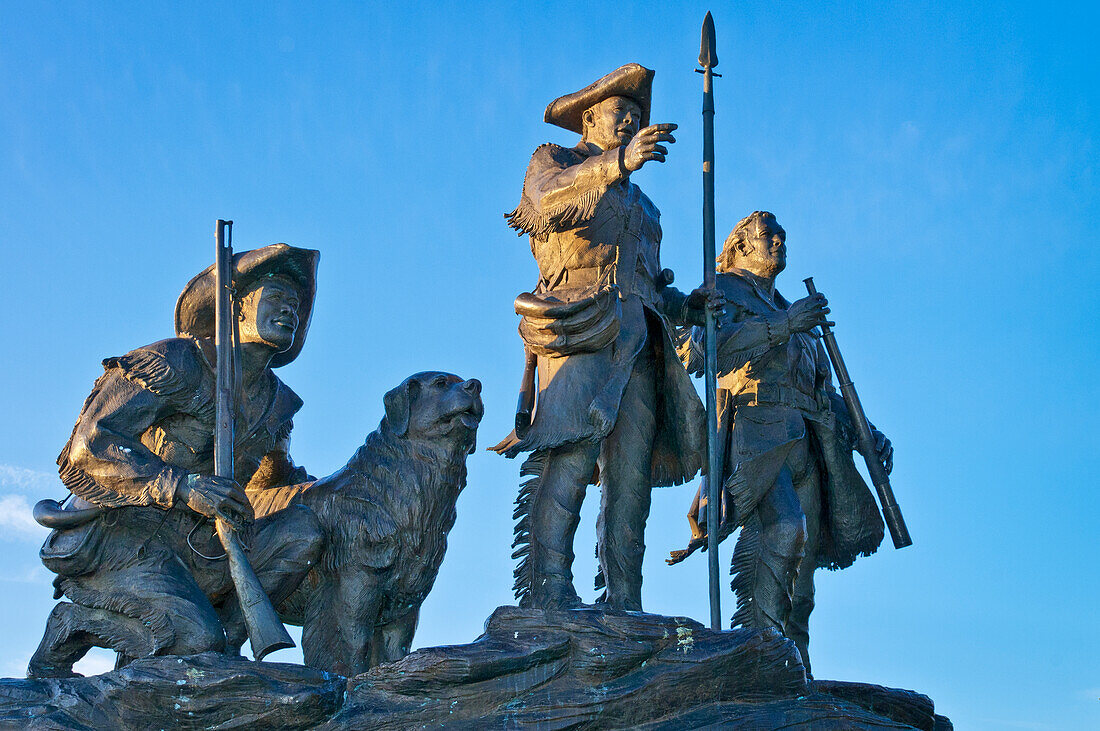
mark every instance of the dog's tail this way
{"type": "Point", "coordinates": [533, 469]}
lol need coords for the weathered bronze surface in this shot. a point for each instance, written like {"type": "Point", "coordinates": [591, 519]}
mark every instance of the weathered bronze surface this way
{"type": "Point", "coordinates": [614, 405]}
{"type": "Point", "coordinates": [385, 516]}
{"type": "Point", "coordinates": [584, 669]}
{"type": "Point", "coordinates": [786, 441]}
{"type": "Point", "coordinates": [183, 435]}
{"type": "Point", "coordinates": [134, 548]}
{"type": "Point", "coordinates": [144, 572]}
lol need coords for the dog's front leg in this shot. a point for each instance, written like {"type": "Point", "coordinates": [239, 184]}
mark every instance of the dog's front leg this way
{"type": "Point", "coordinates": [340, 623]}
{"type": "Point", "coordinates": [393, 640]}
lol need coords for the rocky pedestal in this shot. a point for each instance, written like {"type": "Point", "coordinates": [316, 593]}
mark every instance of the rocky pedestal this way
{"type": "Point", "coordinates": [579, 669]}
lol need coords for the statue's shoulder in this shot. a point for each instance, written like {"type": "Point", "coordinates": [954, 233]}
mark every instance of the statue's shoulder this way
{"type": "Point", "coordinates": [167, 367]}
{"type": "Point", "coordinates": [286, 405]}
{"type": "Point", "coordinates": [735, 287]}
{"type": "Point", "coordinates": [550, 154]}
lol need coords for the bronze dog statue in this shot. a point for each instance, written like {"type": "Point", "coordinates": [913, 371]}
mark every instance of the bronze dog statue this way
{"type": "Point", "coordinates": [385, 518]}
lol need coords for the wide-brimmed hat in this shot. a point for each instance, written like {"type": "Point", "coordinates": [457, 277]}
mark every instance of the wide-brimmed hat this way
{"type": "Point", "coordinates": [633, 81]}
{"type": "Point", "coordinates": [195, 306]}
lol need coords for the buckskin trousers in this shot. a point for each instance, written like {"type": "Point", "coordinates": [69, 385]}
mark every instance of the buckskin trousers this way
{"type": "Point", "coordinates": [624, 460]}
{"type": "Point", "coordinates": [773, 564]}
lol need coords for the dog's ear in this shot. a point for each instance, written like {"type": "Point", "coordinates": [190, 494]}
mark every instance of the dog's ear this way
{"type": "Point", "coordinates": [397, 404]}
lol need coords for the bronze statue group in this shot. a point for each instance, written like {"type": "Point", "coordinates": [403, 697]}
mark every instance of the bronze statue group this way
{"type": "Point", "coordinates": [613, 346]}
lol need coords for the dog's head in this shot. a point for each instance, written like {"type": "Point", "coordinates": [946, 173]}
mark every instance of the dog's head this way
{"type": "Point", "coordinates": [436, 407]}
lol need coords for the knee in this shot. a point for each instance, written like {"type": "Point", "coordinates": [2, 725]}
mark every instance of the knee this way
{"type": "Point", "coordinates": [789, 535]}
{"type": "Point", "coordinates": [308, 540]}
{"type": "Point", "coordinates": [205, 635]}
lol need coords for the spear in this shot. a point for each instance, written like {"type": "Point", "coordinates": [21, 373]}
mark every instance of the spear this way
{"type": "Point", "coordinates": [708, 59]}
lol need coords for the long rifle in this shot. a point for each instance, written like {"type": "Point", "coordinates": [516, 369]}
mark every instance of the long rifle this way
{"type": "Point", "coordinates": [265, 632]}
{"type": "Point", "coordinates": [708, 59]}
{"type": "Point", "coordinates": [899, 533]}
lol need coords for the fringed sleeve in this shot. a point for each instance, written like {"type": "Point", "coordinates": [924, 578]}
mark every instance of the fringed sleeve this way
{"type": "Point", "coordinates": [689, 346]}
{"type": "Point", "coordinates": [562, 189]}
{"type": "Point", "coordinates": [105, 461]}
{"type": "Point", "coordinates": [743, 340]}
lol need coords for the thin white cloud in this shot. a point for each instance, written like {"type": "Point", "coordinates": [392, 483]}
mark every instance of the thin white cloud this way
{"type": "Point", "coordinates": [21, 479]}
{"type": "Point", "coordinates": [15, 668]}
{"type": "Point", "coordinates": [16, 521]}
{"type": "Point", "coordinates": [96, 662]}
{"type": "Point", "coordinates": [32, 574]}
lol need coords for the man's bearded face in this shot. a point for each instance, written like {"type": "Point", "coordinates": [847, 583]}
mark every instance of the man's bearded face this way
{"type": "Point", "coordinates": [612, 122]}
{"type": "Point", "coordinates": [269, 315]}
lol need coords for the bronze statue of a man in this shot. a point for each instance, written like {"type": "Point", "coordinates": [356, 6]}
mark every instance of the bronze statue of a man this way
{"type": "Point", "coordinates": [785, 442]}
{"type": "Point", "coordinates": [134, 549]}
{"type": "Point", "coordinates": [615, 405]}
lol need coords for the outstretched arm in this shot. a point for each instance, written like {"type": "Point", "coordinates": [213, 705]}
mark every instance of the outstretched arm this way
{"type": "Point", "coordinates": [552, 183]}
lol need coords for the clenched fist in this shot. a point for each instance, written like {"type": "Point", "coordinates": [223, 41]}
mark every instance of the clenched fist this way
{"type": "Point", "coordinates": [216, 497]}
{"type": "Point", "coordinates": [809, 312]}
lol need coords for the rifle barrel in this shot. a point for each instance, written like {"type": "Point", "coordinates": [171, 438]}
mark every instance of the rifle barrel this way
{"type": "Point", "coordinates": [899, 533]}
{"type": "Point", "coordinates": [266, 632]}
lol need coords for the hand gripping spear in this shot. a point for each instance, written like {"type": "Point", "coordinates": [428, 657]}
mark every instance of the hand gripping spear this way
{"type": "Point", "coordinates": [708, 59]}
{"type": "Point", "coordinates": [266, 632]}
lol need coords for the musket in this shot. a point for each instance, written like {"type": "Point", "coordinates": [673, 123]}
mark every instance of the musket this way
{"type": "Point", "coordinates": [865, 443]}
{"type": "Point", "coordinates": [266, 632]}
{"type": "Point", "coordinates": [708, 59]}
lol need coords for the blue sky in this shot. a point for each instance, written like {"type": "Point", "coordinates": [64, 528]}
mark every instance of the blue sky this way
{"type": "Point", "coordinates": [935, 168]}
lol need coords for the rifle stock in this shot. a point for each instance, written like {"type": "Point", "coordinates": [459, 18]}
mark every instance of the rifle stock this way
{"type": "Point", "coordinates": [266, 632]}
{"type": "Point", "coordinates": [525, 404]}
{"type": "Point", "coordinates": [865, 445]}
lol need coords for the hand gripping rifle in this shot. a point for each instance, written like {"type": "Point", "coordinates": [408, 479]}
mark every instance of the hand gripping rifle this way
{"type": "Point", "coordinates": [865, 442]}
{"type": "Point", "coordinates": [266, 632]}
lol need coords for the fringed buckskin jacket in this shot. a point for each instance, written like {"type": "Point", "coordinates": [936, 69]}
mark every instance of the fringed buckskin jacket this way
{"type": "Point", "coordinates": [774, 389]}
{"type": "Point", "coordinates": [147, 424]}
{"type": "Point", "coordinates": [592, 229]}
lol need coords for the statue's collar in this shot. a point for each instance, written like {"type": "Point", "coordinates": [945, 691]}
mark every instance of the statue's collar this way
{"type": "Point", "coordinates": [776, 300]}
{"type": "Point", "coordinates": [588, 149]}
{"type": "Point", "coordinates": [282, 404]}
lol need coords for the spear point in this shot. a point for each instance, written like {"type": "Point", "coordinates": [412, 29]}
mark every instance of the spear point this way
{"type": "Point", "coordinates": [708, 55]}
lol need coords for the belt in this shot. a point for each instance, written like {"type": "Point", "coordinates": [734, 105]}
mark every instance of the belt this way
{"type": "Point", "coordinates": [770, 394]}
{"type": "Point", "coordinates": [584, 275]}
{"type": "Point", "coordinates": [640, 284]}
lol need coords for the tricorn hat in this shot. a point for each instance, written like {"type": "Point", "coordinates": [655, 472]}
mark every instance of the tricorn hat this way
{"type": "Point", "coordinates": [633, 81]}
{"type": "Point", "coordinates": [195, 306]}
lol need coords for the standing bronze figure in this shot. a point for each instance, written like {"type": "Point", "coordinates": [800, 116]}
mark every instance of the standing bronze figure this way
{"type": "Point", "coordinates": [614, 405]}
{"type": "Point", "coordinates": [135, 549]}
{"type": "Point", "coordinates": [786, 439]}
